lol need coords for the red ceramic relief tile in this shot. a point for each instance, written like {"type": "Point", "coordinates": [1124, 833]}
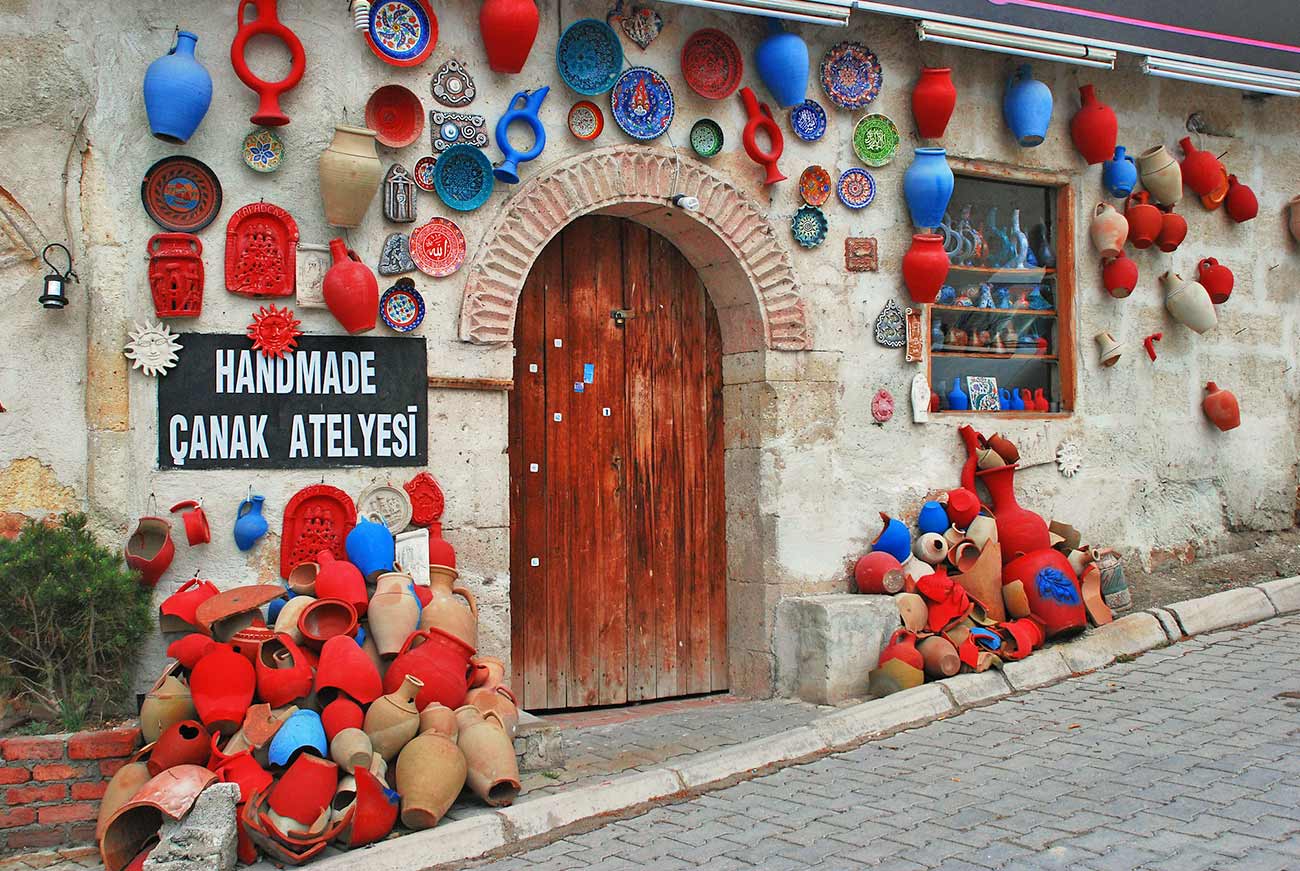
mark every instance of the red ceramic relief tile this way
{"type": "Point", "coordinates": [261, 251]}
{"type": "Point", "coordinates": [317, 518]}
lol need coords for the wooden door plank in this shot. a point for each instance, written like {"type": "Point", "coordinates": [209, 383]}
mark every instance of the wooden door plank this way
{"type": "Point", "coordinates": [555, 553]}
{"type": "Point", "coordinates": [716, 500]}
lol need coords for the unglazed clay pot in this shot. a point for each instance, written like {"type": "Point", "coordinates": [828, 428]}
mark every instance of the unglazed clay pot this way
{"type": "Point", "coordinates": [439, 718]}
{"type": "Point", "coordinates": [1119, 274]}
{"type": "Point", "coordinates": [394, 612]}
{"type": "Point", "coordinates": [351, 749]}
{"type": "Point", "coordinates": [1094, 127]}
{"type": "Point", "coordinates": [493, 773]}
{"type": "Point", "coordinates": [1144, 220]}
{"type": "Point", "coordinates": [1108, 349]}
{"type": "Point", "coordinates": [497, 700]}
{"type": "Point", "coordinates": [167, 703]}
{"type": "Point", "coordinates": [286, 622]}
{"type": "Point", "coordinates": [1189, 303]}
{"type": "Point", "coordinates": [982, 529]}
{"type": "Point", "coordinates": [302, 578]}
{"type": "Point", "coordinates": [126, 782]}
{"type": "Point", "coordinates": [913, 611]}
{"type": "Point", "coordinates": [431, 772]}
{"type": "Point", "coordinates": [1161, 175]}
{"type": "Point", "coordinates": [1108, 230]}
{"type": "Point", "coordinates": [931, 548]}
{"type": "Point", "coordinates": [1293, 218]}
{"type": "Point", "coordinates": [982, 580]}
{"type": "Point", "coordinates": [1216, 278]}
{"type": "Point", "coordinates": [939, 657]}
{"type": "Point", "coordinates": [350, 173]}
{"type": "Point", "coordinates": [394, 719]}
{"type": "Point", "coordinates": [1221, 407]}
{"type": "Point", "coordinates": [451, 608]}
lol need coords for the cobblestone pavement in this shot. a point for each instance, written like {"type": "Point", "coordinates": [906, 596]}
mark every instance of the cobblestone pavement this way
{"type": "Point", "coordinates": [1186, 758]}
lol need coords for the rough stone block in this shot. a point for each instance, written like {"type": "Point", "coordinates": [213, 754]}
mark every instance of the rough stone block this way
{"type": "Point", "coordinates": [1038, 669]}
{"type": "Point", "coordinates": [205, 839]}
{"type": "Point", "coordinates": [826, 645]}
{"type": "Point", "coordinates": [537, 744]}
{"type": "Point", "coordinates": [1220, 610]}
{"type": "Point", "coordinates": [851, 725]}
{"type": "Point", "coordinates": [1126, 636]}
{"type": "Point", "coordinates": [1169, 623]}
{"type": "Point", "coordinates": [1283, 593]}
{"type": "Point", "coordinates": [972, 688]}
{"type": "Point", "coordinates": [720, 765]}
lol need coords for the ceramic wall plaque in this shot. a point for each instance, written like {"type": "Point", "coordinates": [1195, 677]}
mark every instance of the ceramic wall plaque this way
{"type": "Point", "coordinates": [261, 251]}
{"type": "Point", "coordinates": [920, 398]}
{"type": "Point", "coordinates": [176, 275]}
{"type": "Point", "coordinates": [882, 407]}
{"type": "Point", "coordinates": [860, 254]}
{"type": "Point", "coordinates": [274, 331]}
{"type": "Point", "coordinates": [452, 85]}
{"type": "Point", "coordinates": [402, 307]}
{"type": "Point", "coordinates": [390, 503]}
{"type": "Point", "coordinates": [412, 554]}
{"type": "Point", "coordinates": [317, 518]}
{"type": "Point", "coordinates": [153, 349]}
{"type": "Point", "coordinates": [890, 329]}
{"type": "Point", "coordinates": [313, 262]}
{"type": "Point", "coordinates": [399, 195]}
{"type": "Point", "coordinates": [641, 24]}
{"type": "Point", "coordinates": [395, 258]}
{"type": "Point", "coordinates": [427, 501]}
{"type": "Point", "coordinates": [181, 194]}
{"type": "Point", "coordinates": [456, 128]}
{"type": "Point", "coordinates": [915, 337]}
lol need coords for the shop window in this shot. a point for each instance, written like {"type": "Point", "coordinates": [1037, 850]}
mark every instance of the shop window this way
{"type": "Point", "coordinates": [1002, 328]}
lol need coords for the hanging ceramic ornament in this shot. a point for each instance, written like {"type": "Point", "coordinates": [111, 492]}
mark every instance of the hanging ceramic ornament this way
{"type": "Point", "coordinates": [391, 504]}
{"type": "Point", "coordinates": [402, 32]}
{"type": "Point", "coordinates": [427, 501]}
{"type": "Point", "coordinates": [266, 23]}
{"type": "Point", "coordinates": [808, 121]}
{"type": "Point", "coordinates": [181, 194]}
{"type": "Point", "coordinates": [396, 257]}
{"type": "Point", "coordinates": [274, 331]}
{"type": "Point", "coordinates": [860, 254]}
{"type": "Point", "coordinates": [586, 120]}
{"type": "Point", "coordinates": [1068, 459]}
{"type": "Point", "coordinates": [455, 128]}
{"type": "Point", "coordinates": [261, 251]}
{"type": "Point", "coordinates": [399, 195]}
{"type": "Point", "coordinates": [920, 398]}
{"type": "Point", "coordinates": [815, 185]}
{"type": "Point", "coordinates": [452, 85]}
{"type": "Point", "coordinates": [711, 64]}
{"type": "Point", "coordinates": [808, 226]}
{"type": "Point", "coordinates": [915, 339]}
{"type": "Point", "coordinates": [153, 349]}
{"type": "Point", "coordinates": [422, 175]}
{"type": "Point", "coordinates": [402, 307]}
{"type": "Point", "coordinates": [851, 75]}
{"type": "Point", "coordinates": [640, 24]}
{"type": "Point", "coordinates": [706, 138]}
{"type": "Point", "coordinates": [262, 150]}
{"type": "Point", "coordinates": [882, 407]}
{"type": "Point", "coordinates": [890, 329]}
{"type": "Point", "coordinates": [176, 275]}
{"type": "Point", "coordinates": [642, 103]}
{"type": "Point", "coordinates": [438, 247]}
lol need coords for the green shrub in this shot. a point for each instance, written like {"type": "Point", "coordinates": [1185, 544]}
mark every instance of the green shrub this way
{"type": "Point", "coordinates": [72, 619]}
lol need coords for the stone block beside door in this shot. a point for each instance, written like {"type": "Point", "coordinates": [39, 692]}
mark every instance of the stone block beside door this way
{"type": "Point", "coordinates": [826, 645]}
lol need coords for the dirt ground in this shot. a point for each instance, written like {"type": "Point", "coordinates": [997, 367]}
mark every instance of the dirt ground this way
{"type": "Point", "coordinates": [1245, 558]}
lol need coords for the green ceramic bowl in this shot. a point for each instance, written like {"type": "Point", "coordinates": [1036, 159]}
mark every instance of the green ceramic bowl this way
{"type": "Point", "coordinates": [706, 137]}
{"type": "Point", "coordinates": [875, 139]}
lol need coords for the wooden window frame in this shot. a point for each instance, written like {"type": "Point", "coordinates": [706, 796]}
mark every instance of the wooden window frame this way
{"type": "Point", "coordinates": [1063, 184]}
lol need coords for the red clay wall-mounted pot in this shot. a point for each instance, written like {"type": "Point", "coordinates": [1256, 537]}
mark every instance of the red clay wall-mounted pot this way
{"type": "Point", "coordinates": [1201, 169]}
{"type": "Point", "coordinates": [508, 29]}
{"type": "Point", "coordinates": [925, 267]}
{"type": "Point", "coordinates": [1119, 275]}
{"type": "Point", "coordinates": [1216, 278]}
{"type": "Point", "coordinates": [933, 100]}
{"type": "Point", "coordinates": [1173, 230]}
{"type": "Point", "coordinates": [1241, 202]}
{"type": "Point", "coordinates": [1221, 407]}
{"type": "Point", "coordinates": [266, 22]}
{"type": "Point", "coordinates": [1144, 220]}
{"type": "Point", "coordinates": [1094, 127]}
{"type": "Point", "coordinates": [351, 290]}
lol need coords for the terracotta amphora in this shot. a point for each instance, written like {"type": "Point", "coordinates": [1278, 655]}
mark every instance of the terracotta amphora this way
{"type": "Point", "coordinates": [126, 781]}
{"type": "Point", "coordinates": [1189, 303]}
{"type": "Point", "coordinates": [913, 611]}
{"type": "Point", "coordinates": [350, 173]}
{"type": "Point", "coordinates": [498, 700]}
{"type": "Point", "coordinates": [351, 749]}
{"type": "Point", "coordinates": [490, 756]}
{"type": "Point", "coordinates": [167, 703]}
{"type": "Point", "coordinates": [435, 717]}
{"type": "Point", "coordinates": [394, 719]}
{"type": "Point", "coordinates": [394, 612]}
{"type": "Point", "coordinates": [453, 609]}
{"type": "Point", "coordinates": [940, 657]}
{"type": "Point", "coordinates": [431, 772]}
{"type": "Point", "coordinates": [1108, 230]}
{"type": "Point", "coordinates": [1161, 175]}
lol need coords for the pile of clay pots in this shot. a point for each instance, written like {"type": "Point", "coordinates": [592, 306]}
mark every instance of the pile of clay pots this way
{"type": "Point", "coordinates": [339, 702]}
{"type": "Point", "coordinates": [980, 582]}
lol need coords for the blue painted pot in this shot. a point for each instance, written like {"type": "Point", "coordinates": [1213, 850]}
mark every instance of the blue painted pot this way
{"type": "Point", "coordinates": [370, 547]}
{"type": "Point", "coordinates": [177, 91]}
{"type": "Point", "coordinates": [524, 107]}
{"type": "Point", "coordinates": [957, 398]}
{"type": "Point", "coordinates": [1027, 107]}
{"type": "Point", "coordinates": [1004, 399]}
{"type": "Point", "coordinates": [1119, 174]}
{"type": "Point", "coordinates": [782, 61]}
{"type": "Point", "coordinates": [894, 539]}
{"type": "Point", "coordinates": [933, 518]}
{"type": "Point", "coordinates": [927, 186]}
{"type": "Point", "coordinates": [1017, 403]}
{"type": "Point", "coordinates": [302, 729]}
{"type": "Point", "coordinates": [250, 525]}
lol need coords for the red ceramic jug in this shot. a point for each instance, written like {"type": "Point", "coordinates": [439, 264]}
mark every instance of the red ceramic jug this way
{"type": "Point", "coordinates": [963, 505]}
{"type": "Point", "coordinates": [508, 28]}
{"type": "Point", "coordinates": [1173, 230]}
{"type": "Point", "coordinates": [902, 645]}
{"type": "Point", "coordinates": [1221, 407]}
{"type": "Point", "coordinates": [1144, 220]}
{"type": "Point", "coordinates": [340, 714]}
{"type": "Point", "coordinates": [1040, 401]}
{"type": "Point", "coordinates": [1019, 530]}
{"type": "Point", "coordinates": [176, 613]}
{"type": "Point", "coordinates": [183, 743]}
{"type": "Point", "coordinates": [933, 100]}
{"type": "Point", "coordinates": [1216, 278]}
{"type": "Point", "coordinates": [339, 579]}
{"type": "Point", "coordinates": [268, 112]}
{"type": "Point", "coordinates": [441, 553]}
{"type": "Point", "coordinates": [442, 662]}
{"type": "Point", "coordinates": [1051, 588]}
{"type": "Point", "coordinates": [760, 118]}
{"type": "Point", "coordinates": [283, 670]}
{"type": "Point", "coordinates": [197, 530]}
{"type": "Point", "coordinates": [1094, 127]}
{"type": "Point", "coordinates": [925, 267]}
{"type": "Point", "coordinates": [1241, 202]}
{"type": "Point", "coordinates": [1201, 169]}
{"type": "Point", "coordinates": [1119, 275]}
{"type": "Point", "coordinates": [351, 290]}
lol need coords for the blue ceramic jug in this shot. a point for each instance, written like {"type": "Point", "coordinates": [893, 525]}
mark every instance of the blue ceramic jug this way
{"type": "Point", "coordinates": [1004, 399]}
{"type": "Point", "coordinates": [524, 107]}
{"type": "Point", "coordinates": [782, 61]}
{"type": "Point", "coordinates": [370, 547]}
{"type": "Point", "coordinates": [177, 91]}
{"type": "Point", "coordinates": [933, 518]}
{"type": "Point", "coordinates": [1017, 404]}
{"type": "Point", "coordinates": [1119, 174]}
{"type": "Point", "coordinates": [1027, 107]}
{"type": "Point", "coordinates": [250, 525]}
{"type": "Point", "coordinates": [894, 539]}
{"type": "Point", "coordinates": [927, 186]}
{"type": "Point", "coordinates": [957, 398]}
{"type": "Point", "coordinates": [936, 335]}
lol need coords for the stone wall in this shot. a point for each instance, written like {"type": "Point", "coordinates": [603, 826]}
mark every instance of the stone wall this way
{"type": "Point", "coordinates": [807, 469]}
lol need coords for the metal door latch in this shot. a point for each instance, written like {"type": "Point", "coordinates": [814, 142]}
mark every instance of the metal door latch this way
{"type": "Point", "coordinates": [621, 315]}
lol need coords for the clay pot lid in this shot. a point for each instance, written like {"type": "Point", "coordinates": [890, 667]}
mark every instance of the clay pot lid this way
{"type": "Point", "coordinates": [236, 601]}
{"type": "Point", "coordinates": [396, 115]}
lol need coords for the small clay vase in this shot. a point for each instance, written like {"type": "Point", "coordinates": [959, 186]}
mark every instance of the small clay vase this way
{"type": "Point", "coordinates": [431, 772]}
{"type": "Point", "coordinates": [940, 657]}
{"type": "Point", "coordinates": [439, 718]}
{"type": "Point", "coordinates": [167, 703]}
{"type": "Point", "coordinates": [497, 700]}
{"type": "Point", "coordinates": [351, 749]}
{"type": "Point", "coordinates": [392, 720]}
{"type": "Point", "coordinates": [1108, 230]}
{"type": "Point", "coordinates": [350, 173]}
{"type": "Point", "coordinates": [489, 755]}
{"type": "Point", "coordinates": [1173, 230]}
{"type": "Point", "coordinates": [451, 608]}
{"type": "Point", "coordinates": [1216, 278]}
{"type": "Point", "coordinates": [1189, 303]}
{"type": "Point", "coordinates": [1241, 203]}
{"type": "Point", "coordinates": [1120, 276]}
{"type": "Point", "coordinates": [1108, 349]}
{"type": "Point", "coordinates": [1221, 407]}
{"type": "Point", "coordinates": [931, 548]}
{"type": "Point", "coordinates": [394, 612]}
{"type": "Point", "coordinates": [1161, 175]}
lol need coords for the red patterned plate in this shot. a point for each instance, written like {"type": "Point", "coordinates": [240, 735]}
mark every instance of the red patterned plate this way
{"type": "Point", "coordinates": [815, 185]}
{"type": "Point", "coordinates": [261, 251]}
{"type": "Point", "coordinates": [438, 248]}
{"type": "Point", "coordinates": [423, 173]}
{"type": "Point", "coordinates": [317, 518]}
{"type": "Point", "coordinates": [181, 194]}
{"type": "Point", "coordinates": [711, 64]}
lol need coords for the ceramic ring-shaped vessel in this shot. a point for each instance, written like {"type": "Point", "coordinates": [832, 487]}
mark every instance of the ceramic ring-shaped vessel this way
{"type": "Point", "coordinates": [268, 112]}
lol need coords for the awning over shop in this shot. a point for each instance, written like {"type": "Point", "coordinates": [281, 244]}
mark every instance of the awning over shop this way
{"type": "Point", "coordinates": [830, 12]}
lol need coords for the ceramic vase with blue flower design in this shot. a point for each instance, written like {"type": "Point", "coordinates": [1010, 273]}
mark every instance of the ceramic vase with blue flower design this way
{"type": "Point", "coordinates": [177, 91]}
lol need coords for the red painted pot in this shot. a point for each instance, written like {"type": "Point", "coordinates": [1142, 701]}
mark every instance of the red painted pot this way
{"type": "Point", "coordinates": [176, 613]}
{"type": "Point", "coordinates": [197, 530]}
{"type": "Point", "coordinates": [324, 619]}
{"type": "Point", "coordinates": [508, 29]}
{"type": "Point", "coordinates": [1119, 275]}
{"type": "Point", "coordinates": [441, 553]}
{"type": "Point", "coordinates": [339, 579]}
{"type": "Point", "coordinates": [188, 650]}
{"type": "Point", "coordinates": [1173, 230]}
{"type": "Point", "coordinates": [222, 684]}
{"type": "Point", "coordinates": [266, 23]}
{"type": "Point", "coordinates": [1216, 278]}
{"type": "Point", "coordinates": [340, 714]}
{"type": "Point", "coordinates": [374, 814]}
{"type": "Point", "coordinates": [963, 505]}
{"type": "Point", "coordinates": [284, 671]}
{"type": "Point", "coordinates": [1201, 169]}
{"type": "Point", "coordinates": [902, 645]}
{"type": "Point", "coordinates": [344, 666]}
{"type": "Point", "coordinates": [305, 789]}
{"type": "Point", "coordinates": [933, 99]}
{"type": "Point", "coordinates": [183, 743]}
{"type": "Point", "coordinates": [240, 768]}
{"type": "Point", "coordinates": [351, 290]}
{"type": "Point", "coordinates": [1144, 220]}
{"type": "Point", "coordinates": [176, 276]}
{"type": "Point", "coordinates": [1020, 530]}
{"type": "Point", "coordinates": [442, 662]}
{"type": "Point", "coordinates": [925, 267]}
{"type": "Point", "coordinates": [1241, 202]}
{"type": "Point", "coordinates": [1094, 128]}
{"type": "Point", "coordinates": [1051, 588]}
{"type": "Point", "coordinates": [878, 572]}
{"type": "Point", "coordinates": [1221, 407]}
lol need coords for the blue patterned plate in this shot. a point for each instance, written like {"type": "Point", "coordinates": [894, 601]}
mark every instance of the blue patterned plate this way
{"type": "Point", "coordinates": [463, 177]}
{"type": "Point", "coordinates": [589, 56]}
{"type": "Point", "coordinates": [851, 75]}
{"type": "Point", "coordinates": [402, 32]}
{"type": "Point", "coordinates": [856, 188]}
{"type": "Point", "coordinates": [642, 103]}
{"type": "Point", "coordinates": [263, 150]}
{"type": "Point", "coordinates": [808, 226]}
{"type": "Point", "coordinates": [401, 306]}
{"type": "Point", "coordinates": [808, 120]}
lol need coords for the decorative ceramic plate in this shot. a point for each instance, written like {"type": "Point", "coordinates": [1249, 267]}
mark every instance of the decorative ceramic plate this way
{"type": "Point", "coordinates": [586, 121]}
{"type": "Point", "coordinates": [642, 103]}
{"type": "Point", "coordinates": [706, 137]}
{"type": "Point", "coordinates": [181, 194]}
{"type": "Point", "coordinates": [317, 518]}
{"type": "Point", "coordinates": [856, 188]}
{"type": "Point", "coordinates": [452, 85]}
{"type": "Point", "coordinates": [808, 120]}
{"type": "Point", "coordinates": [808, 226]}
{"type": "Point", "coordinates": [589, 56]}
{"type": "Point", "coordinates": [438, 248]}
{"type": "Point", "coordinates": [851, 75]}
{"type": "Point", "coordinates": [402, 32]}
{"type": "Point", "coordinates": [396, 115]}
{"type": "Point", "coordinates": [711, 64]}
{"type": "Point", "coordinates": [402, 309]}
{"type": "Point", "coordinates": [389, 503]}
{"type": "Point", "coordinates": [815, 185]}
{"type": "Point", "coordinates": [463, 179]}
{"type": "Point", "coordinates": [875, 139]}
{"type": "Point", "coordinates": [423, 173]}
{"type": "Point", "coordinates": [263, 151]}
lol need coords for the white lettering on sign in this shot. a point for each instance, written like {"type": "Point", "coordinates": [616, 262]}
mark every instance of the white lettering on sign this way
{"type": "Point", "coordinates": [217, 437]}
{"type": "Point", "coordinates": [345, 373]}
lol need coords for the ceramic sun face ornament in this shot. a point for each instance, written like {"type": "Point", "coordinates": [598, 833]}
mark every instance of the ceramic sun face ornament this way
{"type": "Point", "coordinates": [274, 331]}
{"type": "Point", "coordinates": [153, 349]}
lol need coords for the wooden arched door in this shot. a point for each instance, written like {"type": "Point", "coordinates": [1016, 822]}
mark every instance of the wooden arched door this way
{"type": "Point", "coordinates": [617, 507]}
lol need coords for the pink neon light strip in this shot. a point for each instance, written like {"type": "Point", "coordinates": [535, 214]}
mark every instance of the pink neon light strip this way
{"type": "Point", "coordinates": [1152, 25]}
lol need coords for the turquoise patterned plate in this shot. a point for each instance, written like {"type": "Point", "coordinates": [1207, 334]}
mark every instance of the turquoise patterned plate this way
{"type": "Point", "coordinates": [808, 226]}
{"type": "Point", "coordinates": [463, 177]}
{"type": "Point", "coordinates": [589, 56]}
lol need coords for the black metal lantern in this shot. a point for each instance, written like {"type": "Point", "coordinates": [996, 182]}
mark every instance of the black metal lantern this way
{"type": "Point", "coordinates": [55, 286]}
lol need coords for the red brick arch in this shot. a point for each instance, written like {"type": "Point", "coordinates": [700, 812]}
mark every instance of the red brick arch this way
{"type": "Point", "coordinates": [729, 240]}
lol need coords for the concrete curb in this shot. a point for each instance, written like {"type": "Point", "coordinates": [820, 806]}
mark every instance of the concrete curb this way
{"type": "Point", "coordinates": [514, 828]}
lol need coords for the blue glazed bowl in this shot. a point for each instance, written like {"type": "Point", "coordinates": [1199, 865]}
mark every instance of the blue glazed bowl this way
{"type": "Point", "coordinates": [463, 178]}
{"type": "Point", "coordinates": [589, 56]}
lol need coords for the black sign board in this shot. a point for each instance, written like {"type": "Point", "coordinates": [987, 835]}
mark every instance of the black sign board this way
{"type": "Point", "coordinates": [335, 401]}
{"type": "Point", "coordinates": [1261, 33]}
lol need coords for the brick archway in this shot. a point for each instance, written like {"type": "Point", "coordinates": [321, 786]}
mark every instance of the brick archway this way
{"type": "Point", "coordinates": [729, 241]}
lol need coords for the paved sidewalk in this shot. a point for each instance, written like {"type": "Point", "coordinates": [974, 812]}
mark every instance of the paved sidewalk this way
{"type": "Point", "coordinates": [1186, 758]}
